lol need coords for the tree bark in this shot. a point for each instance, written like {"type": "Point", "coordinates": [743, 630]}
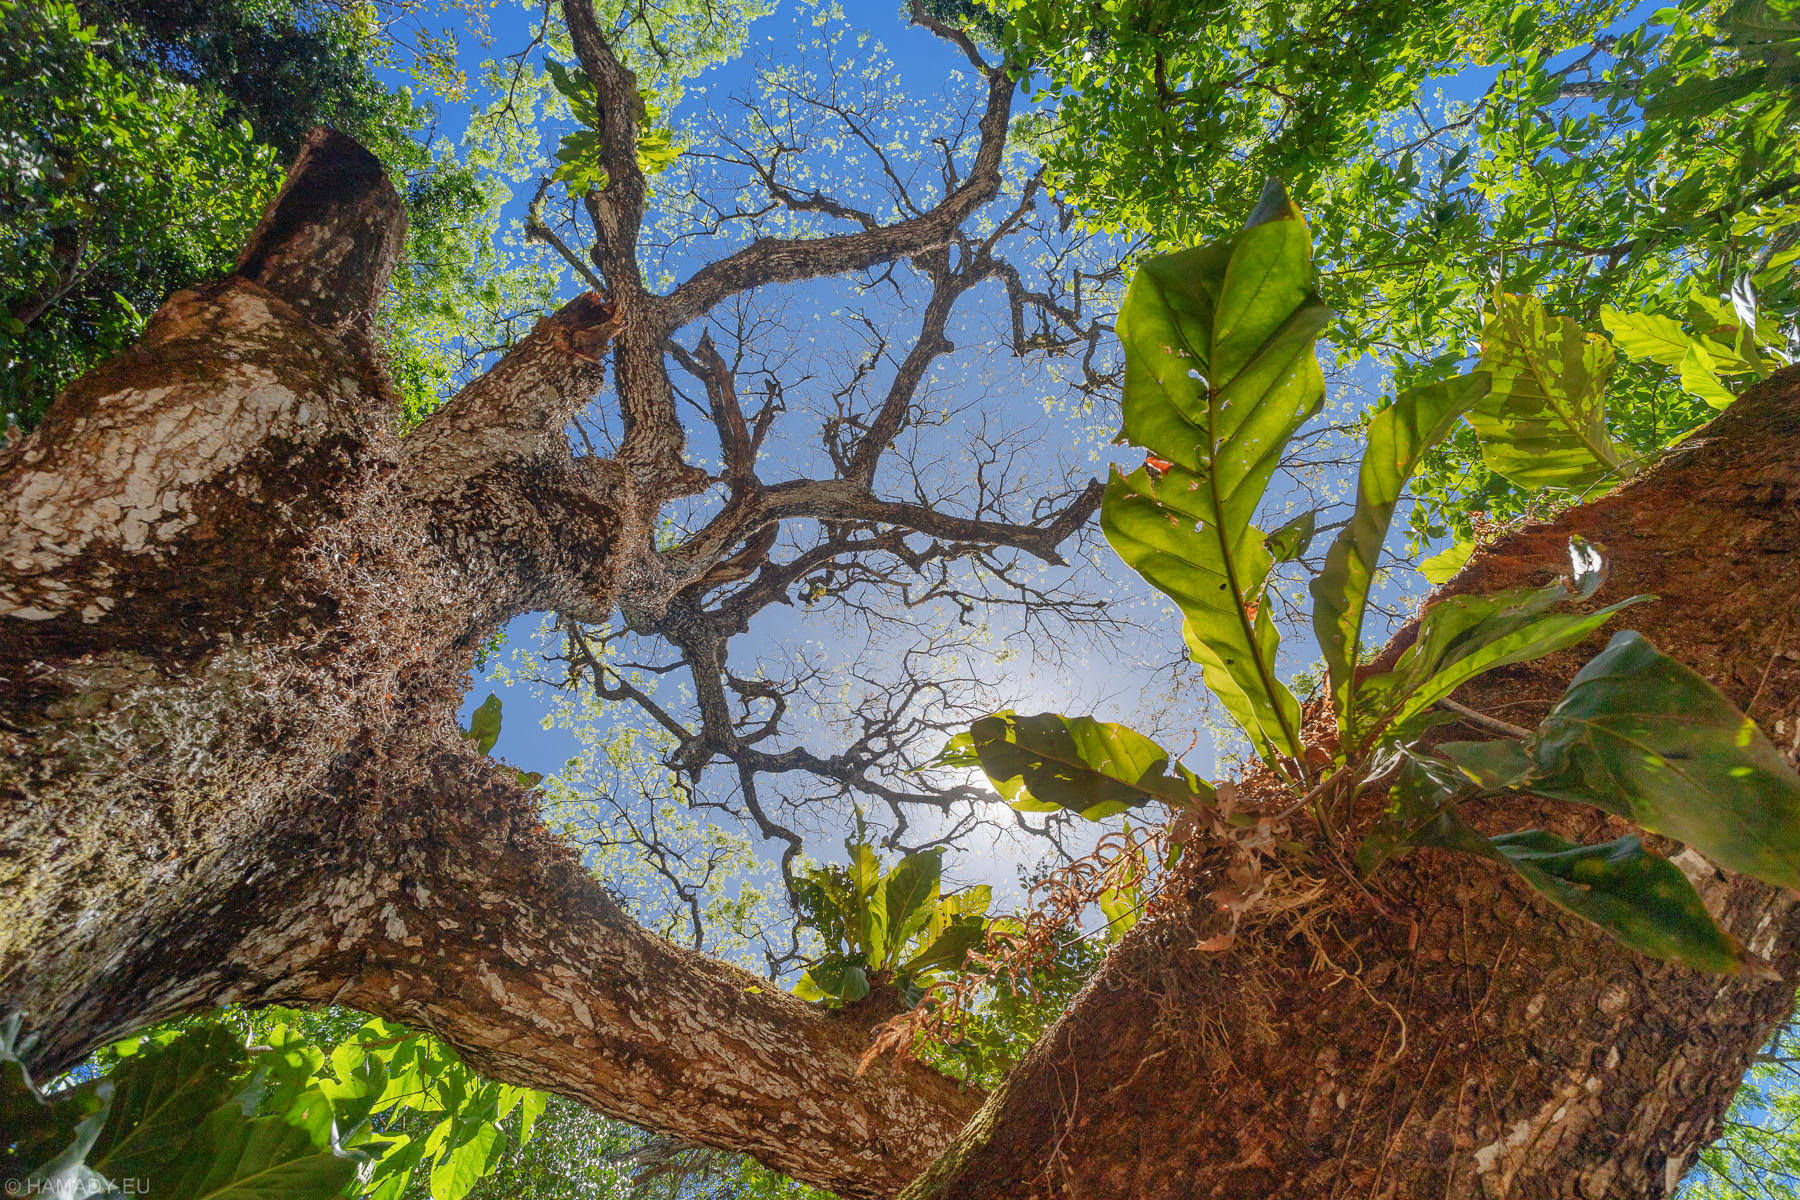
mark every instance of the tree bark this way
{"type": "Point", "coordinates": [1473, 1040]}
{"type": "Point", "coordinates": [238, 616]}
{"type": "Point", "coordinates": [235, 618]}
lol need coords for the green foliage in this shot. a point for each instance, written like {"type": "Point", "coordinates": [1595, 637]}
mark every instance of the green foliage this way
{"type": "Point", "coordinates": [1543, 423]}
{"type": "Point", "coordinates": [1050, 762]}
{"type": "Point", "coordinates": [484, 725]}
{"type": "Point", "coordinates": [192, 1112]}
{"type": "Point", "coordinates": [305, 1109]}
{"type": "Point", "coordinates": [1219, 373]}
{"type": "Point", "coordinates": [1757, 1154]}
{"type": "Point", "coordinates": [581, 158]}
{"type": "Point", "coordinates": [1398, 439]}
{"type": "Point", "coordinates": [1639, 735]}
{"type": "Point", "coordinates": [1636, 733]}
{"type": "Point", "coordinates": [114, 191]}
{"type": "Point", "coordinates": [1172, 114]}
{"type": "Point", "coordinates": [895, 927]}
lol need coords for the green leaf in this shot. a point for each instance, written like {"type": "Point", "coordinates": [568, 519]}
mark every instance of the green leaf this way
{"type": "Point", "coordinates": [1492, 766]}
{"type": "Point", "coordinates": [959, 751]}
{"type": "Point", "coordinates": [1219, 373]}
{"type": "Point", "coordinates": [1121, 907]}
{"type": "Point", "coordinates": [1461, 637]}
{"type": "Point", "coordinates": [160, 1095]}
{"type": "Point", "coordinates": [837, 977]}
{"type": "Point", "coordinates": [1091, 767]}
{"type": "Point", "coordinates": [1545, 635]}
{"type": "Point", "coordinates": [1446, 564]}
{"type": "Point", "coordinates": [1398, 439]}
{"type": "Point", "coordinates": [1695, 98]}
{"type": "Point", "coordinates": [531, 1107]}
{"type": "Point", "coordinates": [1544, 422]}
{"type": "Point", "coordinates": [484, 725]}
{"type": "Point", "coordinates": [1646, 335]}
{"type": "Point", "coordinates": [233, 1157]}
{"type": "Point", "coordinates": [1293, 539]}
{"type": "Point", "coordinates": [470, 1156]}
{"type": "Point", "coordinates": [1640, 899]}
{"type": "Point", "coordinates": [1420, 811]}
{"type": "Point", "coordinates": [1642, 736]}
{"type": "Point", "coordinates": [908, 893]}
{"type": "Point", "coordinates": [391, 1175]}
{"type": "Point", "coordinates": [1700, 377]}
{"type": "Point", "coordinates": [951, 948]}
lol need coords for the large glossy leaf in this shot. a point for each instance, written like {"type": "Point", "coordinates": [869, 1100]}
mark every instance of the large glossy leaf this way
{"type": "Point", "coordinates": [1544, 635]}
{"type": "Point", "coordinates": [161, 1093]}
{"type": "Point", "coordinates": [1640, 899]}
{"type": "Point", "coordinates": [233, 1157]}
{"type": "Point", "coordinates": [1544, 422]}
{"type": "Point", "coordinates": [1641, 735]}
{"type": "Point", "coordinates": [835, 977]}
{"type": "Point", "coordinates": [950, 949]}
{"type": "Point", "coordinates": [908, 894]}
{"type": "Point", "coordinates": [1091, 767]}
{"type": "Point", "coordinates": [1461, 637]}
{"type": "Point", "coordinates": [1219, 373]}
{"type": "Point", "coordinates": [1398, 439]}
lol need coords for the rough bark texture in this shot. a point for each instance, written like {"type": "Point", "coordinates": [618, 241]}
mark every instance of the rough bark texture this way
{"type": "Point", "coordinates": [235, 616]}
{"type": "Point", "coordinates": [1479, 1042]}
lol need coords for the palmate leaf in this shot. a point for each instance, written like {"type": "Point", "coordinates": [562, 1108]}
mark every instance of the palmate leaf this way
{"type": "Point", "coordinates": [1544, 422]}
{"type": "Point", "coordinates": [1095, 768]}
{"type": "Point", "coordinates": [1398, 439]}
{"type": "Point", "coordinates": [1219, 373]}
{"type": "Point", "coordinates": [1642, 736]}
{"type": "Point", "coordinates": [160, 1094]}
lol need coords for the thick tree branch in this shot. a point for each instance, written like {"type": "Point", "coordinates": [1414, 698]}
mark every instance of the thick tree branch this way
{"type": "Point", "coordinates": [618, 209]}
{"type": "Point", "coordinates": [332, 236]}
{"type": "Point", "coordinates": [481, 926]}
{"type": "Point", "coordinates": [788, 260]}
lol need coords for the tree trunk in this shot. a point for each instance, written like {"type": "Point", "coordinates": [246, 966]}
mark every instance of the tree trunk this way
{"type": "Point", "coordinates": [237, 617]}
{"type": "Point", "coordinates": [1476, 1041]}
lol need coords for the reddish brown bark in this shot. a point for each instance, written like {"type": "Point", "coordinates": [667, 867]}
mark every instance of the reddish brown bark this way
{"type": "Point", "coordinates": [235, 616]}
{"type": "Point", "coordinates": [1511, 1050]}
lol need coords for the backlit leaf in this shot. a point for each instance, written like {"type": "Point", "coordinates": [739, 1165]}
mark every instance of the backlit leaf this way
{"type": "Point", "coordinates": [1091, 767]}
{"type": "Point", "coordinates": [1398, 439]}
{"type": "Point", "coordinates": [1219, 372]}
{"type": "Point", "coordinates": [1544, 422]}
